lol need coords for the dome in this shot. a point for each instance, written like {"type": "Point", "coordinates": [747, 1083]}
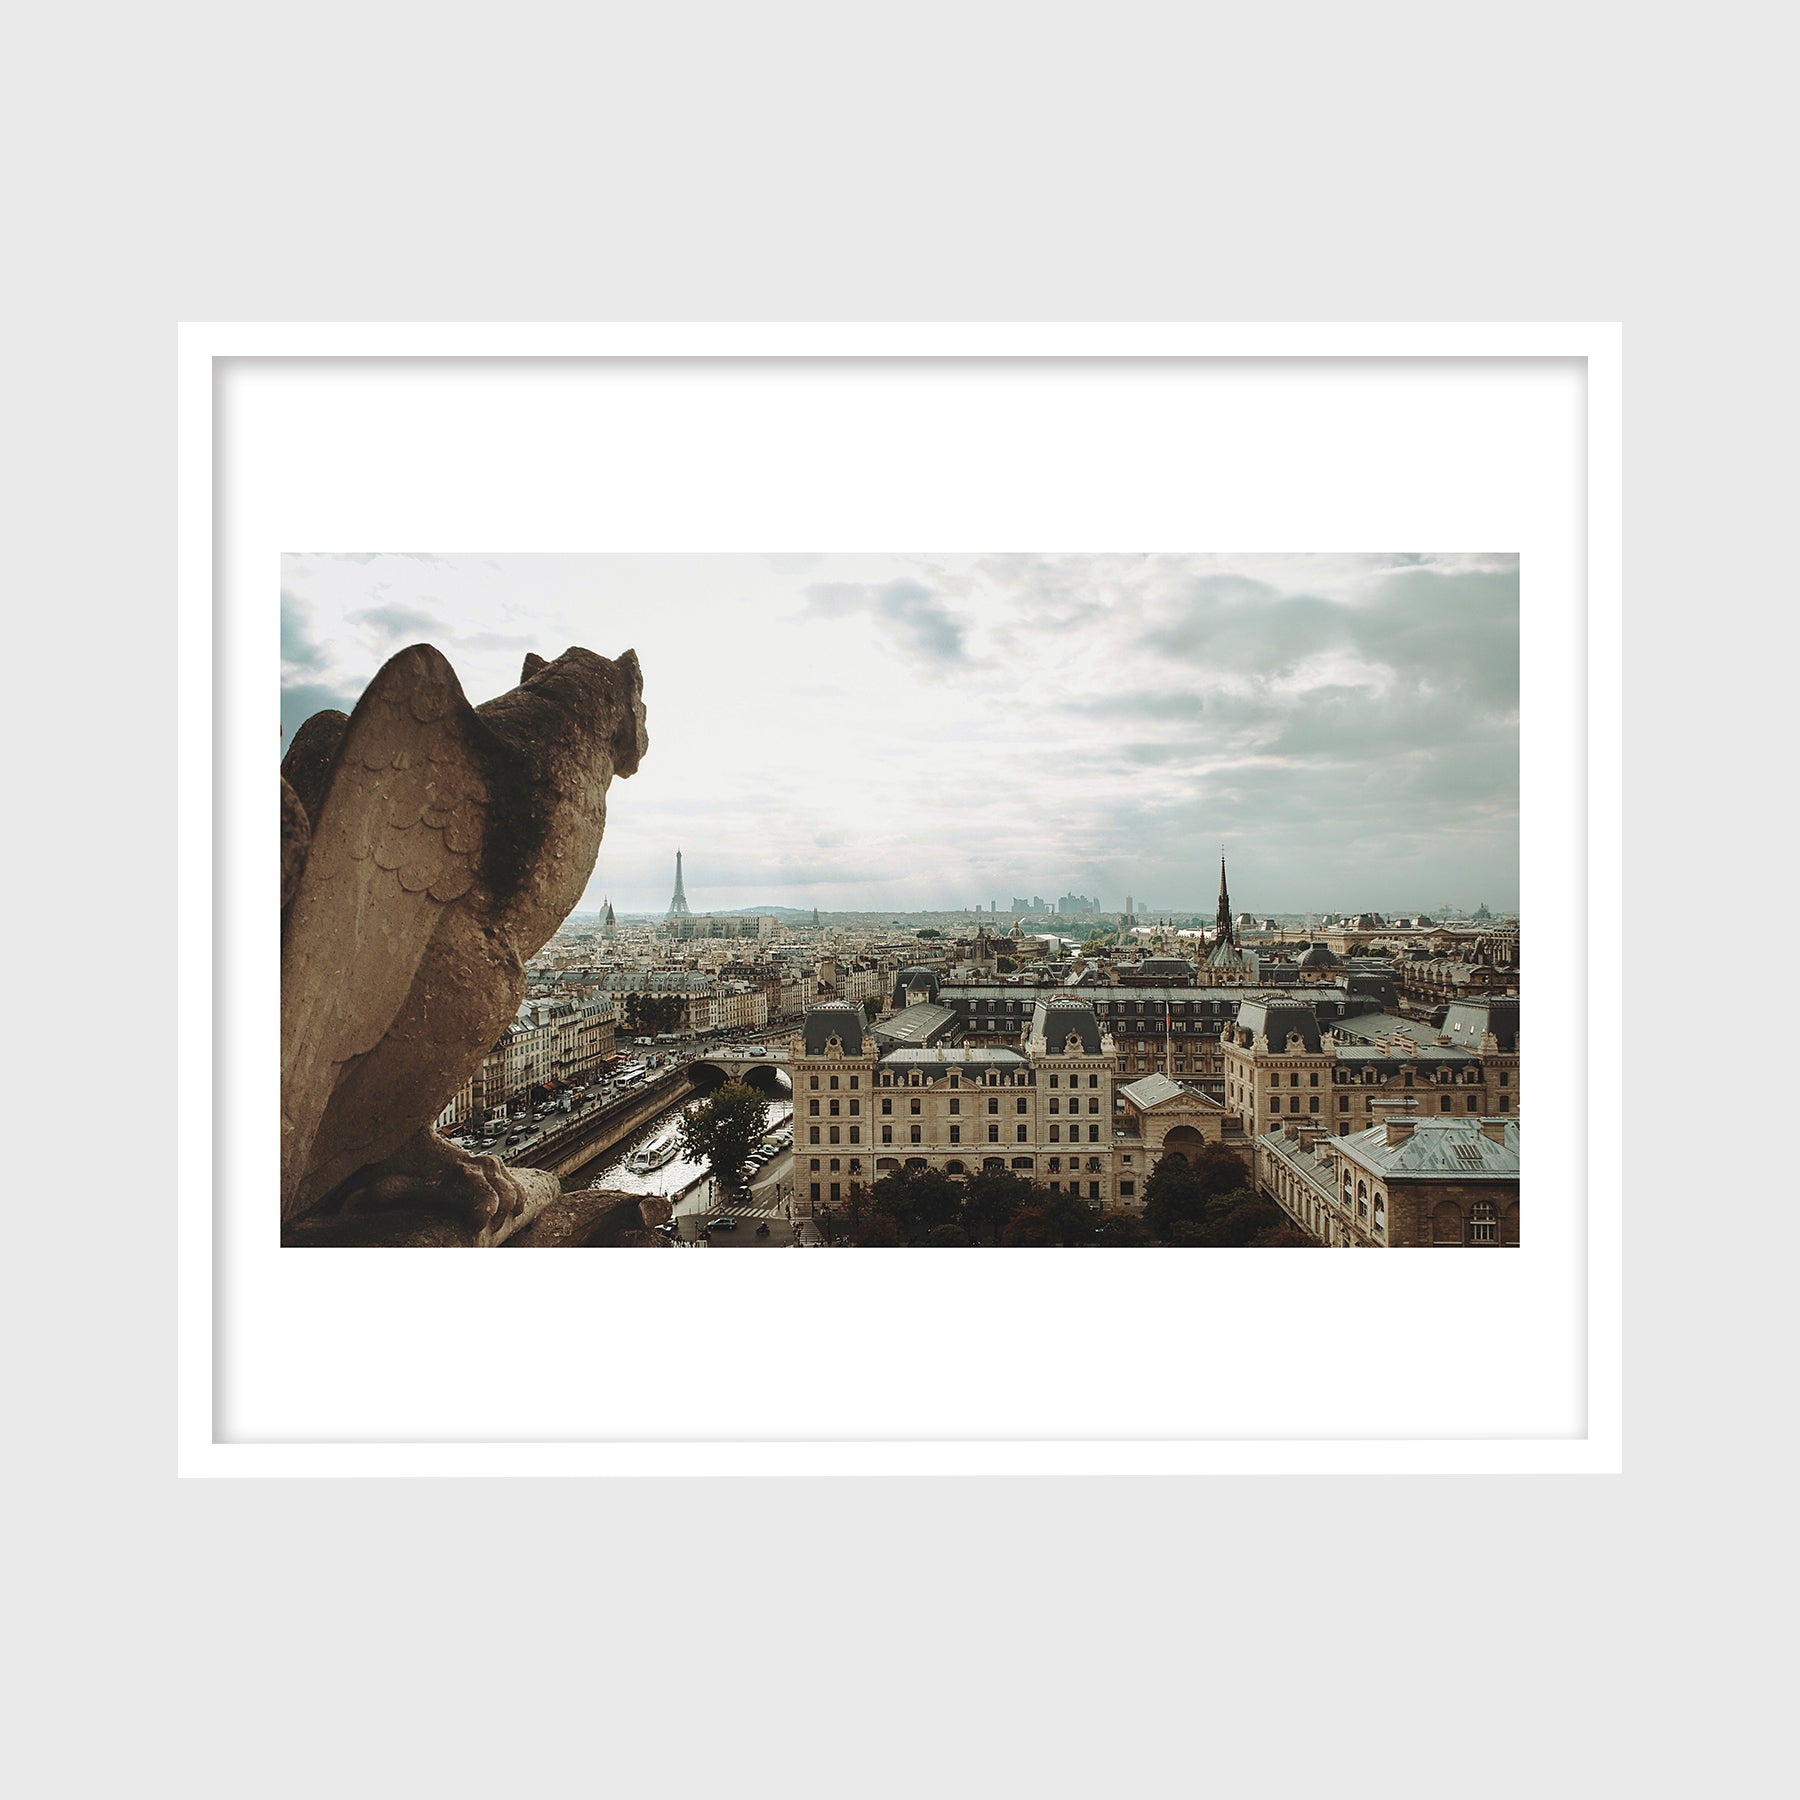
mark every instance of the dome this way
{"type": "Point", "coordinates": [1319, 956]}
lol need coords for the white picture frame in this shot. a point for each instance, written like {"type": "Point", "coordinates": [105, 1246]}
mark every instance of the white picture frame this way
{"type": "Point", "coordinates": [284, 1406]}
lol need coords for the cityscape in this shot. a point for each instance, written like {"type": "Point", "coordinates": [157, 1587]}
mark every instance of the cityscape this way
{"type": "Point", "coordinates": [1355, 1077]}
{"type": "Point", "coordinates": [1078, 1070]}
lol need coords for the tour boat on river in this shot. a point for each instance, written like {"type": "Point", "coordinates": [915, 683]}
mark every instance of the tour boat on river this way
{"type": "Point", "coordinates": [652, 1157]}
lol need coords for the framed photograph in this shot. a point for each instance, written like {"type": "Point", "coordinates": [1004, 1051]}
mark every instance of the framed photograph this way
{"type": "Point", "coordinates": [1039, 791]}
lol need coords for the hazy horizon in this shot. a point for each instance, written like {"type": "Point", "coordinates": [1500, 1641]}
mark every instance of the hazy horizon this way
{"type": "Point", "coordinates": [868, 733]}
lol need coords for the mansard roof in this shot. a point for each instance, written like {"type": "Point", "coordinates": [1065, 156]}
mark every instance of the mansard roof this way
{"type": "Point", "coordinates": [842, 1019]}
{"type": "Point", "coordinates": [1062, 1017]}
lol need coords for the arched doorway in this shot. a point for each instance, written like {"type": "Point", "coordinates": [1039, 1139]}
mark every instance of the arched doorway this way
{"type": "Point", "coordinates": [1183, 1143]}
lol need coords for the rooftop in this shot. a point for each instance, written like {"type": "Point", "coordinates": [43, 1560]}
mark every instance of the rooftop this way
{"type": "Point", "coordinates": [1459, 1147]}
{"type": "Point", "coordinates": [1152, 1090]}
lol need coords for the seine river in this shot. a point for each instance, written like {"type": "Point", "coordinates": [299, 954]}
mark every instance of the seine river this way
{"type": "Point", "coordinates": [675, 1177]}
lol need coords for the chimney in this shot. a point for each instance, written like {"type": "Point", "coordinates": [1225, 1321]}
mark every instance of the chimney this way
{"type": "Point", "coordinates": [1495, 1129]}
{"type": "Point", "coordinates": [1399, 1130]}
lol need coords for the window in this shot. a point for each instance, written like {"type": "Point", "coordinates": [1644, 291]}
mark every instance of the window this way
{"type": "Point", "coordinates": [1093, 1190]}
{"type": "Point", "coordinates": [1055, 1133]}
{"type": "Point", "coordinates": [1505, 1078]}
{"type": "Point", "coordinates": [812, 1134]}
{"type": "Point", "coordinates": [1484, 1223]}
{"type": "Point", "coordinates": [887, 1134]}
{"type": "Point", "coordinates": [1313, 1079]}
{"type": "Point", "coordinates": [836, 1164]}
{"type": "Point", "coordinates": [812, 1081]}
{"type": "Point", "coordinates": [1019, 1105]}
{"type": "Point", "coordinates": [993, 1134]}
{"type": "Point", "coordinates": [1474, 1103]}
{"type": "Point", "coordinates": [855, 1108]}
{"type": "Point", "coordinates": [993, 1106]}
{"type": "Point", "coordinates": [856, 1134]}
{"type": "Point", "coordinates": [834, 1109]}
{"type": "Point", "coordinates": [834, 1135]}
{"type": "Point", "coordinates": [1093, 1134]}
{"type": "Point", "coordinates": [814, 1190]}
{"type": "Point", "coordinates": [815, 1165]}
{"type": "Point", "coordinates": [912, 1134]}
{"type": "Point", "coordinates": [1294, 1080]}
{"type": "Point", "coordinates": [1506, 1103]}
{"type": "Point", "coordinates": [1312, 1105]}
{"type": "Point", "coordinates": [1054, 1105]}
{"type": "Point", "coordinates": [853, 1085]}
{"type": "Point", "coordinates": [956, 1134]}
{"type": "Point", "coordinates": [812, 1106]}
{"type": "Point", "coordinates": [834, 1190]}
{"type": "Point", "coordinates": [1343, 1102]}
{"type": "Point", "coordinates": [955, 1105]}
{"type": "Point", "coordinates": [887, 1106]}
{"type": "Point", "coordinates": [1053, 1081]}
{"type": "Point", "coordinates": [913, 1105]}
{"type": "Point", "coordinates": [1021, 1134]}
{"type": "Point", "coordinates": [1128, 1188]}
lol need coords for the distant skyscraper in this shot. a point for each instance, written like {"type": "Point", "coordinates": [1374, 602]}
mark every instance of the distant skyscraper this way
{"type": "Point", "coordinates": [678, 907]}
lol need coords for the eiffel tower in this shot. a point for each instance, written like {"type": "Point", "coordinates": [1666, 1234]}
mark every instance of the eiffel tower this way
{"type": "Point", "coordinates": [678, 907]}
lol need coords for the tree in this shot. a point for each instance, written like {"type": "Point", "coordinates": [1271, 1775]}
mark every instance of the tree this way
{"type": "Point", "coordinates": [928, 931]}
{"type": "Point", "coordinates": [1241, 1219]}
{"type": "Point", "coordinates": [1052, 1218]}
{"type": "Point", "coordinates": [647, 1014]}
{"type": "Point", "coordinates": [1173, 1196]}
{"type": "Point", "coordinates": [992, 1199]}
{"type": "Point", "coordinates": [876, 1232]}
{"type": "Point", "coordinates": [724, 1128]}
{"type": "Point", "coordinates": [947, 1237]}
{"type": "Point", "coordinates": [1121, 1229]}
{"type": "Point", "coordinates": [1005, 965]}
{"type": "Point", "coordinates": [918, 1199]}
{"type": "Point", "coordinates": [872, 1008]}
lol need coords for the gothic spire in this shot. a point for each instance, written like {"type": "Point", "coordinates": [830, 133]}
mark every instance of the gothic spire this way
{"type": "Point", "coordinates": [1226, 934]}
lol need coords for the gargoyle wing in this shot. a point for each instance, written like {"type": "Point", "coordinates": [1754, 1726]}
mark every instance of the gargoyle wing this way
{"type": "Point", "coordinates": [396, 840]}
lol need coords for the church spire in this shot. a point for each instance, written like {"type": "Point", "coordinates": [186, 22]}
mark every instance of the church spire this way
{"type": "Point", "coordinates": [1225, 934]}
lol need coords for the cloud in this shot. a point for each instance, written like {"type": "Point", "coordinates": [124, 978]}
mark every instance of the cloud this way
{"type": "Point", "coordinates": [911, 615]}
{"type": "Point", "coordinates": [300, 650]}
{"type": "Point", "coordinates": [300, 701]}
{"type": "Point", "coordinates": [398, 621]}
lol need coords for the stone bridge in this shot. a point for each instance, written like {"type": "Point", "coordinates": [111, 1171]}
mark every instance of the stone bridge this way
{"type": "Point", "coordinates": [748, 1062]}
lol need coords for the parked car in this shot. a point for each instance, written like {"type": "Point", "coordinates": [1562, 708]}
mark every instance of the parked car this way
{"type": "Point", "coordinates": [724, 1223]}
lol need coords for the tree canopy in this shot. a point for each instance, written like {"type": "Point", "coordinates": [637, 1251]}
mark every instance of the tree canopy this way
{"type": "Point", "coordinates": [1210, 1203]}
{"type": "Point", "coordinates": [724, 1128]}
{"type": "Point", "coordinates": [647, 1014]}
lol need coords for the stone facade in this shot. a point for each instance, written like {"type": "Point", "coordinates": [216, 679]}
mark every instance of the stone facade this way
{"type": "Point", "coordinates": [1406, 1184]}
{"type": "Point", "coordinates": [1044, 1111]}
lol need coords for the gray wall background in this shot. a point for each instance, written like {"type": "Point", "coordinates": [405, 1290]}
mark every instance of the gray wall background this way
{"type": "Point", "coordinates": [936, 161]}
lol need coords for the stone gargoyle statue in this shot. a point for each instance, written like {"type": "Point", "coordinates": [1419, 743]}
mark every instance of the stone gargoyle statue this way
{"type": "Point", "coordinates": [429, 847]}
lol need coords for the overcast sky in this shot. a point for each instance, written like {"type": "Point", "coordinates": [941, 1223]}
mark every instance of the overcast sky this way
{"type": "Point", "coordinates": [859, 732]}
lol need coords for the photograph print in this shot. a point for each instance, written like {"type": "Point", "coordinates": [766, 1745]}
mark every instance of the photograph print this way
{"type": "Point", "coordinates": [834, 901]}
